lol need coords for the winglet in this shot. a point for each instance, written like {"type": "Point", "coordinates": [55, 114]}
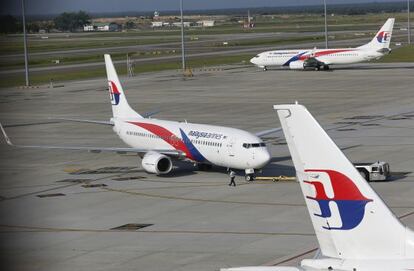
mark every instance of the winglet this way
{"type": "Point", "coordinates": [6, 136]}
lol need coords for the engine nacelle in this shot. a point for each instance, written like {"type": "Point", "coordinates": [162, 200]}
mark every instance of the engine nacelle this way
{"type": "Point", "coordinates": [297, 65]}
{"type": "Point", "coordinates": [154, 162]}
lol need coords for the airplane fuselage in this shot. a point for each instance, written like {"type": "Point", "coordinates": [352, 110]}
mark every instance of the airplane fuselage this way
{"type": "Point", "coordinates": [199, 143]}
{"type": "Point", "coordinates": [327, 56]}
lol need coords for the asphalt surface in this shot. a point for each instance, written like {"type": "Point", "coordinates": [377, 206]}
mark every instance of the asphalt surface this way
{"type": "Point", "coordinates": [51, 218]}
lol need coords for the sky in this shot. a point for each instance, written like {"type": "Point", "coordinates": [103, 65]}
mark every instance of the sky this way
{"type": "Point", "coordinates": [42, 7]}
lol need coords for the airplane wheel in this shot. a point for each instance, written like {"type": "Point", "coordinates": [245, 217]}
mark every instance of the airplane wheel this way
{"type": "Point", "coordinates": [249, 177]}
{"type": "Point", "coordinates": [264, 68]}
{"type": "Point", "coordinates": [325, 67]}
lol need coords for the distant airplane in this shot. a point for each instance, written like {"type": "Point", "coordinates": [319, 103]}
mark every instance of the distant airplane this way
{"type": "Point", "coordinates": [160, 141]}
{"type": "Point", "coordinates": [323, 58]}
{"type": "Point", "coordinates": [356, 231]}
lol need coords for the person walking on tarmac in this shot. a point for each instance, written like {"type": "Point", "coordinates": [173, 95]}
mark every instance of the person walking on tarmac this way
{"type": "Point", "coordinates": [232, 177]}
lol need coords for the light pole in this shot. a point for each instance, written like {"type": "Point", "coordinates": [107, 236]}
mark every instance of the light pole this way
{"type": "Point", "coordinates": [326, 25]}
{"type": "Point", "coordinates": [26, 59]}
{"type": "Point", "coordinates": [408, 21]}
{"type": "Point", "coordinates": [182, 37]}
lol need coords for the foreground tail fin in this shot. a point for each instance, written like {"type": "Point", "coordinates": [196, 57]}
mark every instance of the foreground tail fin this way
{"type": "Point", "coordinates": [350, 219]}
{"type": "Point", "coordinates": [382, 39]}
{"type": "Point", "coordinates": [120, 106]}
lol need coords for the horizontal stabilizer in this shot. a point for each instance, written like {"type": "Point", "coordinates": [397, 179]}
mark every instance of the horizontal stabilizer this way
{"type": "Point", "coordinates": [268, 132]}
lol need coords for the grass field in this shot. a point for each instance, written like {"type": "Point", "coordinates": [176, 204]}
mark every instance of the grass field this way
{"type": "Point", "coordinates": [264, 24]}
{"type": "Point", "coordinates": [34, 46]}
{"type": "Point", "coordinates": [59, 76]}
{"type": "Point", "coordinates": [400, 54]}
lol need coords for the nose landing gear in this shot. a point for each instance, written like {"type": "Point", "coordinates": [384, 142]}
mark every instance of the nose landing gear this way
{"type": "Point", "coordinates": [249, 175]}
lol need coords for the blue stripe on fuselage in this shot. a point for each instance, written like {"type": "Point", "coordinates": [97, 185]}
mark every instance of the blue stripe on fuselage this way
{"type": "Point", "coordinates": [294, 58]}
{"type": "Point", "coordinates": [192, 149]}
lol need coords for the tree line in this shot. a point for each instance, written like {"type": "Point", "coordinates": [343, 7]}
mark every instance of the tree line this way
{"type": "Point", "coordinates": [67, 21]}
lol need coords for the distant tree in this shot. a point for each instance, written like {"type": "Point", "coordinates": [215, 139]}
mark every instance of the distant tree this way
{"type": "Point", "coordinates": [130, 25]}
{"type": "Point", "coordinates": [82, 18]}
{"type": "Point", "coordinates": [47, 25]}
{"type": "Point", "coordinates": [33, 27]}
{"type": "Point", "coordinates": [71, 21]}
{"type": "Point", "coordinates": [9, 24]}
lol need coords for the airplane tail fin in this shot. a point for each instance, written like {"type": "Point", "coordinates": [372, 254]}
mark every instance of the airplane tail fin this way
{"type": "Point", "coordinates": [382, 39]}
{"type": "Point", "coordinates": [120, 106]}
{"type": "Point", "coordinates": [350, 220]}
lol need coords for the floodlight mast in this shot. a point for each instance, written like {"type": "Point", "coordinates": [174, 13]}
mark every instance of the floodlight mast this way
{"type": "Point", "coordinates": [26, 58]}
{"type": "Point", "coordinates": [326, 25]}
{"type": "Point", "coordinates": [182, 37]}
{"type": "Point", "coordinates": [408, 22]}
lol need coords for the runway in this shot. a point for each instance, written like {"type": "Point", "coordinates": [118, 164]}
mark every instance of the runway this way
{"type": "Point", "coordinates": [62, 210]}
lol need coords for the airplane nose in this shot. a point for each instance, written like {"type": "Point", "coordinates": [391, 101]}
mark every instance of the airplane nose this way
{"type": "Point", "coordinates": [263, 159]}
{"type": "Point", "coordinates": [253, 60]}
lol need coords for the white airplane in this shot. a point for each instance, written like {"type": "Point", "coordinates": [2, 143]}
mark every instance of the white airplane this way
{"type": "Point", "coordinates": [355, 229]}
{"type": "Point", "coordinates": [160, 141]}
{"type": "Point", "coordinates": [323, 58]}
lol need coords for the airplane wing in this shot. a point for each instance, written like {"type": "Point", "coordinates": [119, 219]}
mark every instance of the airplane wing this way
{"type": "Point", "coordinates": [110, 123]}
{"type": "Point", "coordinates": [150, 113]}
{"type": "Point", "coordinates": [87, 121]}
{"type": "Point", "coordinates": [91, 149]}
{"type": "Point", "coordinates": [268, 132]}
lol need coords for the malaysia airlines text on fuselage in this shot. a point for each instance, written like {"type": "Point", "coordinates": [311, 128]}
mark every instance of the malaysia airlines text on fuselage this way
{"type": "Point", "coordinates": [318, 58]}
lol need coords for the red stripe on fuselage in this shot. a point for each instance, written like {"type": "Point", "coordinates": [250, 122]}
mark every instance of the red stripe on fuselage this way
{"type": "Point", "coordinates": [323, 53]}
{"type": "Point", "coordinates": [166, 135]}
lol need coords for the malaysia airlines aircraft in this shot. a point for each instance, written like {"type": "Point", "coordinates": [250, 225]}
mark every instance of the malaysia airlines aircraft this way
{"type": "Point", "coordinates": [355, 229]}
{"type": "Point", "coordinates": [160, 141]}
{"type": "Point", "coordinates": [323, 58]}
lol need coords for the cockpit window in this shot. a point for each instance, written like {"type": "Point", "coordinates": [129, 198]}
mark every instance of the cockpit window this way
{"type": "Point", "coordinates": [257, 56]}
{"type": "Point", "coordinates": [253, 145]}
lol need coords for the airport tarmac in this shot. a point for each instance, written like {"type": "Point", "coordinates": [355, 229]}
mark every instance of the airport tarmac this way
{"type": "Point", "coordinates": [60, 210]}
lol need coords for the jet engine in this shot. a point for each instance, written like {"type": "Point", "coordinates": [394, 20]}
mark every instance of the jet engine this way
{"type": "Point", "coordinates": [297, 65]}
{"type": "Point", "coordinates": [154, 162]}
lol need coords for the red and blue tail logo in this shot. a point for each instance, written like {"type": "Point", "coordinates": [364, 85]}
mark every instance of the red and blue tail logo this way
{"type": "Point", "coordinates": [350, 201]}
{"type": "Point", "coordinates": [383, 36]}
{"type": "Point", "coordinates": [113, 93]}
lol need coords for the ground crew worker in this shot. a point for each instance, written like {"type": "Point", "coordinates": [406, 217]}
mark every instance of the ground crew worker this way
{"type": "Point", "coordinates": [232, 177]}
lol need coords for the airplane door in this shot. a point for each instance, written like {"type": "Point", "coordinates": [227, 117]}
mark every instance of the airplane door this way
{"type": "Point", "coordinates": [230, 147]}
